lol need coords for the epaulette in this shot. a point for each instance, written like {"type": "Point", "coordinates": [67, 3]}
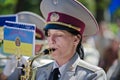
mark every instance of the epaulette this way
{"type": "Point", "coordinates": [88, 66]}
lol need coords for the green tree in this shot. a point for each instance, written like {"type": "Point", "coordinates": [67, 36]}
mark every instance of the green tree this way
{"type": "Point", "coordinates": [14, 6]}
{"type": "Point", "coordinates": [27, 5]}
{"type": "Point", "coordinates": [7, 6]}
{"type": "Point", "coordinates": [101, 6]}
{"type": "Point", "coordinates": [90, 4]}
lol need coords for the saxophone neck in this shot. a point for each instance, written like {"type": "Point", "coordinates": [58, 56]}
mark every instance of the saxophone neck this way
{"type": "Point", "coordinates": [29, 68]}
{"type": "Point", "coordinates": [45, 52]}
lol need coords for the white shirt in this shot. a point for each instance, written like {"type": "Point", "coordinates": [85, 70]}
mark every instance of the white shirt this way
{"type": "Point", "coordinates": [61, 68]}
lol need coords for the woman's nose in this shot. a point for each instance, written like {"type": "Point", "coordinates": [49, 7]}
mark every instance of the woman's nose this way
{"type": "Point", "coordinates": [51, 39]}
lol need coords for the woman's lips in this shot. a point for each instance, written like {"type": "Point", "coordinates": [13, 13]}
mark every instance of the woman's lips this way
{"type": "Point", "coordinates": [54, 49]}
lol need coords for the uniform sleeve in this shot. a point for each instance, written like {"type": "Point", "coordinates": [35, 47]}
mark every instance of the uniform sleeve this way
{"type": "Point", "coordinates": [15, 75]}
{"type": "Point", "coordinates": [98, 75]}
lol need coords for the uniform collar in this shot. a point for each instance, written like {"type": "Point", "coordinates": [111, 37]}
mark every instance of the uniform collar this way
{"type": "Point", "coordinates": [61, 69]}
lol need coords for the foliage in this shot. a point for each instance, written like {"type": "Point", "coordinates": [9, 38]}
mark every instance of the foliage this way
{"type": "Point", "coordinates": [32, 6]}
{"type": "Point", "coordinates": [90, 4]}
{"type": "Point", "coordinates": [11, 6]}
{"type": "Point", "coordinates": [103, 4]}
{"type": "Point", "coordinates": [7, 6]}
{"type": "Point", "coordinates": [117, 13]}
{"type": "Point", "coordinates": [113, 27]}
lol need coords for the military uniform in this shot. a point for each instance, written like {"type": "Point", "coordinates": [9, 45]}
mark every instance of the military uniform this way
{"type": "Point", "coordinates": [76, 69]}
{"type": "Point", "coordinates": [72, 16]}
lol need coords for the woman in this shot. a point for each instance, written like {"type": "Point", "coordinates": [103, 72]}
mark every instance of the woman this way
{"type": "Point", "coordinates": [67, 22]}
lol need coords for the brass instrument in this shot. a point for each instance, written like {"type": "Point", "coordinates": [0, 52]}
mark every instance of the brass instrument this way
{"type": "Point", "coordinates": [28, 69]}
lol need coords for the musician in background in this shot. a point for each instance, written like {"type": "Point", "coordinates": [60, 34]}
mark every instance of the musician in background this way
{"type": "Point", "coordinates": [10, 72]}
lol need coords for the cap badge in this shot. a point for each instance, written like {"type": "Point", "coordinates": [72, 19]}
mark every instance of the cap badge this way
{"type": "Point", "coordinates": [55, 2]}
{"type": "Point", "coordinates": [54, 17]}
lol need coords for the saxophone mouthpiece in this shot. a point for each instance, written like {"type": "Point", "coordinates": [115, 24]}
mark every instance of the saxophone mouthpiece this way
{"type": "Point", "coordinates": [48, 51]}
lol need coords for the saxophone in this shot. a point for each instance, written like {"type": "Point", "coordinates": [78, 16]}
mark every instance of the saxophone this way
{"type": "Point", "coordinates": [27, 71]}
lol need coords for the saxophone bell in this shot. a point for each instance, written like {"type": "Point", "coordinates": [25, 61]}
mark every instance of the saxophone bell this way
{"type": "Point", "coordinates": [28, 69]}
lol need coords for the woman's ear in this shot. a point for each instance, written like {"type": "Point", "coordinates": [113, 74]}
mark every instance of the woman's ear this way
{"type": "Point", "coordinates": [77, 39]}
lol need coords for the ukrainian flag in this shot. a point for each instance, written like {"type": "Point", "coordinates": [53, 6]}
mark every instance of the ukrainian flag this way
{"type": "Point", "coordinates": [26, 38]}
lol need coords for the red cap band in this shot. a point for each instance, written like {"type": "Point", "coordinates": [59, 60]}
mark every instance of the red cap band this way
{"type": "Point", "coordinates": [67, 20]}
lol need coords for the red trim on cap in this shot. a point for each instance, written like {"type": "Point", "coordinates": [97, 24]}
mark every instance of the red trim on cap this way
{"type": "Point", "coordinates": [39, 33]}
{"type": "Point", "coordinates": [67, 19]}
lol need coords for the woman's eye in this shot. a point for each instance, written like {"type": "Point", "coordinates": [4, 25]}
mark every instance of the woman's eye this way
{"type": "Point", "coordinates": [59, 35]}
{"type": "Point", "coordinates": [48, 35]}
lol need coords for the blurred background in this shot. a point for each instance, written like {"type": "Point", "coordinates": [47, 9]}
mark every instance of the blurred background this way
{"type": "Point", "coordinates": [107, 10]}
{"type": "Point", "coordinates": [103, 47]}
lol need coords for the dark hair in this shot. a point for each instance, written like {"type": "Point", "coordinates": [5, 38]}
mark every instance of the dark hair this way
{"type": "Point", "coordinates": [79, 49]}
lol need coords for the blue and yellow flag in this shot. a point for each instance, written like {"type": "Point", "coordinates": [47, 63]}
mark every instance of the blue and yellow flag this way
{"type": "Point", "coordinates": [4, 18]}
{"type": "Point", "coordinates": [19, 38]}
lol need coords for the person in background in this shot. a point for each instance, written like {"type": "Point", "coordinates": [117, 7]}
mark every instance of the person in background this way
{"type": "Point", "coordinates": [110, 54]}
{"type": "Point", "coordinates": [112, 62]}
{"type": "Point", "coordinates": [91, 54]}
{"type": "Point", "coordinates": [67, 22]}
{"type": "Point", "coordinates": [11, 65]}
{"type": "Point", "coordinates": [102, 39]}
